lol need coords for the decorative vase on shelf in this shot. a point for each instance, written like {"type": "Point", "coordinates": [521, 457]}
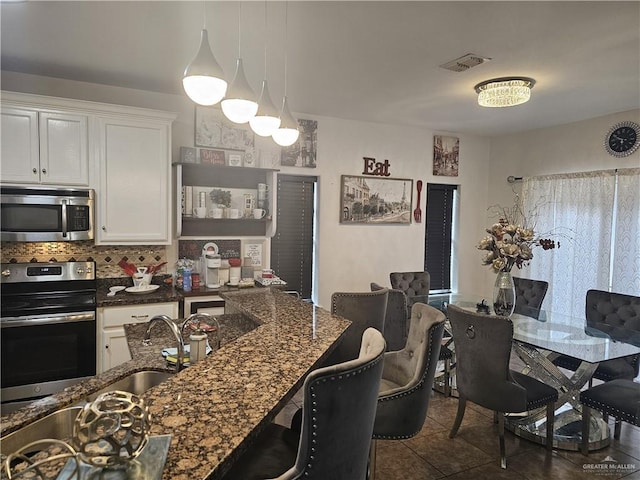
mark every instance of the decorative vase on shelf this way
{"type": "Point", "coordinates": [504, 294]}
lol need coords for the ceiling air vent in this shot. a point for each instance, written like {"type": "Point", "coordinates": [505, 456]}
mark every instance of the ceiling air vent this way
{"type": "Point", "coordinates": [464, 63]}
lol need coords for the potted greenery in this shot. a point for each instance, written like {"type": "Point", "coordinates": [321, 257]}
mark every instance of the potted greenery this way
{"type": "Point", "coordinates": [220, 199]}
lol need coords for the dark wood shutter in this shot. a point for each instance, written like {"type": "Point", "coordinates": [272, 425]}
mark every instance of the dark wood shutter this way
{"type": "Point", "coordinates": [438, 235]}
{"type": "Point", "coordinates": [292, 245]}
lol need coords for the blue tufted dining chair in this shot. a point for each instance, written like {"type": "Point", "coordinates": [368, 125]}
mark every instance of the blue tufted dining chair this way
{"type": "Point", "coordinates": [339, 408]}
{"type": "Point", "coordinates": [483, 350]}
{"type": "Point", "coordinates": [617, 316]}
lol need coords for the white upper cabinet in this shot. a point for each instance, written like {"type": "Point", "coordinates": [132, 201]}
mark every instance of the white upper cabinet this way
{"type": "Point", "coordinates": [44, 147]}
{"type": "Point", "coordinates": [134, 198]}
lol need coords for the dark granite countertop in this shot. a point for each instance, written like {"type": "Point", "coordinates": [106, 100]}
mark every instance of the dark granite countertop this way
{"type": "Point", "coordinates": [215, 408]}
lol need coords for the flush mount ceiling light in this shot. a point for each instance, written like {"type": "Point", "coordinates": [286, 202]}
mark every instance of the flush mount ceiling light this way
{"type": "Point", "coordinates": [504, 92]}
{"type": "Point", "coordinates": [203, 79]}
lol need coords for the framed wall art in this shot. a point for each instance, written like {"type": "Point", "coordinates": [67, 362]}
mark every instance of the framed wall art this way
{"type": "Point", "coordinates": [375, 201]}
{"type": "Point", "coordinates": [213, 130]}
{"type": "Point", "coordinates": [446, 153]}
{"type": "Point", "coordinates": [303, 152]}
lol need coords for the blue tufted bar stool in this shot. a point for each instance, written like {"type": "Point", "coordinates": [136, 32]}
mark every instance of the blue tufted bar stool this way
{"type": "Point", "coordinates": [618, 398]}
{"type": "Point", "coordinates": [407, 379]}
{"type": "Point", "coordinates": [339, 408]}
{"type": "Point", "coordinates": [396, 321]}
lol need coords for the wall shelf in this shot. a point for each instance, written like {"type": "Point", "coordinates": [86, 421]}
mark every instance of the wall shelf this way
{"type": "Point", "coordinates": [222, 176]}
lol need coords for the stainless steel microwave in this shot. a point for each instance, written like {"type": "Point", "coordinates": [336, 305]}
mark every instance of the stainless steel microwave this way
{"type": "Point", "coordinates": [45, 214]}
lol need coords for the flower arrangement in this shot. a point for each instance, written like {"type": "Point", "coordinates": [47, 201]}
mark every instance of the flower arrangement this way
{"type": "Point", "coordinates": [511, 241]}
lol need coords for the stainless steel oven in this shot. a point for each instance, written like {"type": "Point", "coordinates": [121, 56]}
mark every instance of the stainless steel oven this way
{"type": "Point", "coordinates": [48, 329]}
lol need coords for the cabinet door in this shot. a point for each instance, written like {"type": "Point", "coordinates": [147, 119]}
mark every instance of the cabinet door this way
{"type": "Point", "coordinates": [134, 198]}
{"type": "Point", "coordinates": [114, 348]}
{"type": "Point", "coordinates": [63, 149]}
{"type": "Point", "coordinates": [20, 157]}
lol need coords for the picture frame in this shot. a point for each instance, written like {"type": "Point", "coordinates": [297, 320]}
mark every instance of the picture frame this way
{"type": "Point", "coordinates": [234, 159]}
{"type": "Point", "coordinates": [212, 157]}
{"type": "Point", "coordinates": [375, 200]}
{"type": "Point", "coordinates": [188, 155]}
{"type": "Point", "coordinates": [446, 155]}
{"type": "Point", "coordinates": [303, 153]}
{"type": "Point", "coordinates": [213, 130]}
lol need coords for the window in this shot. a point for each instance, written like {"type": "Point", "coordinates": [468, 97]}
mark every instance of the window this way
{"type": "Point", "coordinates": [598, 213]}
{"type": "Point", "coordinates": [438, 235]}
{"type": "Point", "coordinates": [292, 246]}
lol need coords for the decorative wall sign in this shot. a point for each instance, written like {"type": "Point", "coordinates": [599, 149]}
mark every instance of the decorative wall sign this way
{"type": "Point", "coordinates": [379, 169]}
{"type": "Point", "coordinates": [211, 157]}
{"type": "Point", "coordinates": [212, 129]}
{"type": "Point", "coordinates": [446, 152]}
{"type": "Point", "coordinates": [303, 152]}
{"type": "Point", "coordinates": [188, 155]}
{"type": "Point", "coordinates": [375, 201]}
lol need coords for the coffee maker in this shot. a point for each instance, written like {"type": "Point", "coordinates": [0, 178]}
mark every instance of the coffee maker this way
{"type": "Point", "coordinates": [211, 263]}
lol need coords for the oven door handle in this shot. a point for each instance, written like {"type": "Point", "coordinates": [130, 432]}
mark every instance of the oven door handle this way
{"type": "Point", "coordinates": [35, 321]}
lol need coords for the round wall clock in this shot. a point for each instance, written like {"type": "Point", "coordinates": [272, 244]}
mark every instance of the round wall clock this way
{"type": "Point", "coordinates": [623, 139]}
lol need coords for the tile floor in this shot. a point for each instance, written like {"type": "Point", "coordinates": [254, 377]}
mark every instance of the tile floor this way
{"type": "Point", "coordinates": [474, 453]}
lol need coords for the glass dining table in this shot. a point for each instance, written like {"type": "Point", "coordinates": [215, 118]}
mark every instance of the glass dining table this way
{"type": "Point", "coordinates": [537, 342]}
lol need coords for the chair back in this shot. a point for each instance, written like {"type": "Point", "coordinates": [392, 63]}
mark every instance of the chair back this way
{"type": "Point", "coordinates": [615, 314]}
{"type": "Point", "coordinates": [337, 415]}
{"type": "Point", "coordinates": [407, 378]}
{"type": "Point", "coordinates": [483, 350]}
{"type": "Point", "coordinates": [364, 309]}
{"type": "Point", "coordinates": [396, 324]}
{"type": "Point", "coordinates": [529, 296]}
{"type": "Point", "coordinates": [414, 284]}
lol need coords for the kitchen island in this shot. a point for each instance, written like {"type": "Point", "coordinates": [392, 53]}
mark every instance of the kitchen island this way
{"type": "Point", "coordinates": [215, 408]}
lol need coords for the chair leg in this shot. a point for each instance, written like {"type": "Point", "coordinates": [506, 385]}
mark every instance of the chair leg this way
{"type": "Point", "coordinates": [551, 410]}
{"type": "Point", "coordinates": [586, 420]}
{"type": "Point", "coordinates": [503, 453]}
{"type": "Point", "coordinates": [371, 471]}
{"type": "Point", "coordinates": [616, 429]}
{"type": "Point", "coordinates": [447, 377]}
{"type": "Point", "coordinates": [462, 404]}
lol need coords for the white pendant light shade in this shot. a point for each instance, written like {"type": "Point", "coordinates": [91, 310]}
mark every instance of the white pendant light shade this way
{"type": "Point", "coordinates": [203, 79]}
{"type": "Point", "coordinates": [267, 119]}
{"type": "Point", "coordinates": [239, 105]}
{"type": "Point", "coordinates": [287, 134]}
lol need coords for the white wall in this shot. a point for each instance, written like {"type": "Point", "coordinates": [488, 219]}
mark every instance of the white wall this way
{"type": "Point", "coordinates": [349, 256]}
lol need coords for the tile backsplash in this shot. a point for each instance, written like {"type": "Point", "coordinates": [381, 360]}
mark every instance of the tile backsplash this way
{"type": "Point", "coordinates": [106, 257]}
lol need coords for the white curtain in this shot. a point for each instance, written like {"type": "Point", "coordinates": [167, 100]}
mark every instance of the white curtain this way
{"type": "Point", "coordinates": [625, 276]}
{"type": "Point", "coordinates": [576, 210]}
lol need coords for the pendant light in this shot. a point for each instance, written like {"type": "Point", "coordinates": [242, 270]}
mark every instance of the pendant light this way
{"type": "Point", "coordinates": [203, 80]}
{"type": "Point", "coordinates": [239, 105]}
{"type": "Point", "coordinates": [287, 134]}
{"type": "Point", "coordinates": [266, 120]}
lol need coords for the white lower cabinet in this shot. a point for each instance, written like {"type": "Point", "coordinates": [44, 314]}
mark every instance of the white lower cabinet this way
{"type": "Point", "coordinates": [112, 342]}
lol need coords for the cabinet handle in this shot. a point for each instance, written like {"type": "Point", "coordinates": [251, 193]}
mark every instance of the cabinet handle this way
{"type": "Point", "coordinates": [139, 317]}
{"type": "Point", "coordinates": [106, 347]}
{"type": "Point", "coordinates": [104, 229]}
{"type": "Point", "coordinates": [35, 170]}
{"type": "Point", "coordinates": [44, 170]}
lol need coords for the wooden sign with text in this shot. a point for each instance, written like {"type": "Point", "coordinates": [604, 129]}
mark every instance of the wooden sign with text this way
{"type": "Point", "coordinates": [378, 169]}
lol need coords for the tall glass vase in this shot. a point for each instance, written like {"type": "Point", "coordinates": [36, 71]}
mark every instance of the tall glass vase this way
{"type": "Point", "coordinates": [504, 294]}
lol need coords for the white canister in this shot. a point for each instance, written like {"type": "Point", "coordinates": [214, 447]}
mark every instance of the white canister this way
{"type": "Point", "coordinates": [234, 272]}
{"type": "Point", "coordinates": [223, 275]}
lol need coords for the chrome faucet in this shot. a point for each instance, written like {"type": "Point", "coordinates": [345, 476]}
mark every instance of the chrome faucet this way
{"type": "Point", "coordinates": [194, 319]}
{"type": "Point", "coordinates": [176, 333]}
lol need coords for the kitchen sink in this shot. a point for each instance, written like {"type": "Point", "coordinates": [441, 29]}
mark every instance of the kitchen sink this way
{"type": "Point", "coordinates": [136, 383]}
{"type": "Point", "coordinates": [58, 425]}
